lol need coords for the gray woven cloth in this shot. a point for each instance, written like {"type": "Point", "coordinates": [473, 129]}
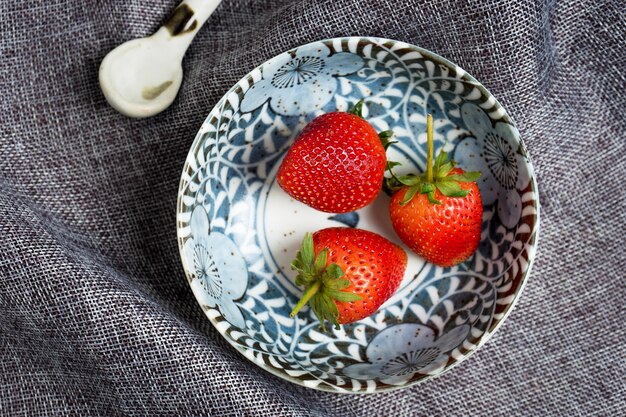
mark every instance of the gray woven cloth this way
{"type": "Point", "coordinates": [96, 317]}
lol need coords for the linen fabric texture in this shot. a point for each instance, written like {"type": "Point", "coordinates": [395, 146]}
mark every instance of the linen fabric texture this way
{"type": "Point", "coordinates": [96, 316]}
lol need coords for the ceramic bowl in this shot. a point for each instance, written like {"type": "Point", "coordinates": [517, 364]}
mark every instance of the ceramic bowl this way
{"type": "Point", "coordinates": [238, 231]}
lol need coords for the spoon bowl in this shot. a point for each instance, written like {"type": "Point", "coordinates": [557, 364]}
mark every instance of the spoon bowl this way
{"type": "Point", "coordinates": [137, 80]}
{"type": "Point", "coordinates": [141, 77]}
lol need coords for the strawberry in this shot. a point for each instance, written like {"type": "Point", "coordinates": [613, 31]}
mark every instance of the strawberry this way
{"type": "Point", "coordinates": [438, 214]}
{"type": "Point", "coordinates": [336, 164]}
{"type": "Point", "coordinates": [347, 273]}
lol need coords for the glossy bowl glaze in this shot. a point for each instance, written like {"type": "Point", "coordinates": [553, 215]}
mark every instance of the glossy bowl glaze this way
{"type": "Point", "coordinates": [238, 231]}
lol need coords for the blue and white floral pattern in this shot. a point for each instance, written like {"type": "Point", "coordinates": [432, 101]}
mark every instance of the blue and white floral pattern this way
{"type": "Point", "coordinates": [399, 352]}
{"type": "Point", "coordinates": [219, 272]}
{"type": "Point", "coordinates": [238, 232]}
{"type": "Point", "coordinates": [300, 82]}
{"type": "Point", "coordinates": [495, 152]}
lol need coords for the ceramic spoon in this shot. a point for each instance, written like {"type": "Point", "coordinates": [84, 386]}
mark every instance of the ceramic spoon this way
{"type": "Point", "coordinates": [141, 78]}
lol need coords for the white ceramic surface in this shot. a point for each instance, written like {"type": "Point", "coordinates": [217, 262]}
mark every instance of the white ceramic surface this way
{"type": "Point", "coordinates": [238, 231]}
{"type": "Point", "coordinates": [141, 77]}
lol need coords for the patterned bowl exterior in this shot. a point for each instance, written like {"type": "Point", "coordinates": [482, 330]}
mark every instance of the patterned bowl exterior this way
{"type": "Point", "coordinates": [237, 230]}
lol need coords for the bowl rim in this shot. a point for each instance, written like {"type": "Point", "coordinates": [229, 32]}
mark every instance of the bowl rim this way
{"type": "Point", "coordinates": [488, 333]}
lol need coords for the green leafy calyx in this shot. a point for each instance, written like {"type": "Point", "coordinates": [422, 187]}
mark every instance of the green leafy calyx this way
{"type": "Point", "coordinates": [357, 109]}
{"type": "Point", "coordinates": [436, 177]}
{"type": "Point", "coordinates": [323, 284]}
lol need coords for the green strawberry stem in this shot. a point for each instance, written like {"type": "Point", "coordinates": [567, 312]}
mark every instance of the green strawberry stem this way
{"type": "Point", "coordinates": [438, 175]}
{"type": "Point", "coordinates": [323, 283]}
{"type": "Point", "coordinates": [431, 145]}
{"type": "Point", "coordinates": [310, 292]}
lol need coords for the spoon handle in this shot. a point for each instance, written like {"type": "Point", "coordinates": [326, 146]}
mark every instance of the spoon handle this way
{"type": "Point", "coordinates": [186, 20]}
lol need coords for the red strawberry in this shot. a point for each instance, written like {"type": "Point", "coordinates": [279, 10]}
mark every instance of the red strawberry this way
{"type": "Point", "coordinates": [347, 273]}
{"type": "Point", "coordinates": [444, 234]}
{"type": "Point", "coordinates": [438, 214]}
{"type": "Point", "coordinates": [336, 164]}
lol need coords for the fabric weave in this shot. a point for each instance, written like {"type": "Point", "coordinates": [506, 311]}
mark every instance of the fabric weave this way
{"type": "Point", "coordinates": [96, 316]}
